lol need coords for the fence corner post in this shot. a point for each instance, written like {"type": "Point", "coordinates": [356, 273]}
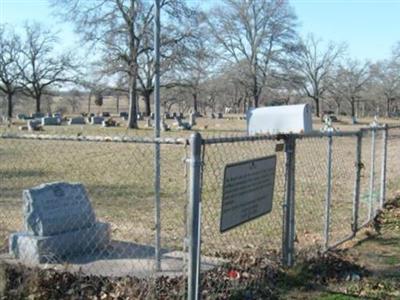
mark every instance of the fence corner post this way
{"type": "Point", "coordinates": [357, 183]}
{"type": "Point", "coordinates": [382, 195]}
{"type": "Point", "coordinates": [194, 217]}
{"type": "Point", "coordinates": [327, 218]}
{"type": "Point", "coordinates": [288, 233]}
{"type": "Point", "coordinates": [371, 206]}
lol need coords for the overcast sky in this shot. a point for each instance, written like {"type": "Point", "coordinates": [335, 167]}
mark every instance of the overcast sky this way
{"type": "Point", "coordinates": [370, 28]}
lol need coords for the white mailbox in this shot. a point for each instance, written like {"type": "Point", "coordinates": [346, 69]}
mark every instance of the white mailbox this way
{"type": "Point", "coordinates": [279, 119]}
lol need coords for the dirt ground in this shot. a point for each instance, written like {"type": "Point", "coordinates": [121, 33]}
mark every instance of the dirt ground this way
{"type": "Point", "coordinates": [367, 268]}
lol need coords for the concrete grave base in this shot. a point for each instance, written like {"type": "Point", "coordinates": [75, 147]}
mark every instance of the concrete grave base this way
{"type": "Point", "coordinates": [124, 259]}
{"type": "Point", "coordinates": [42, 249]}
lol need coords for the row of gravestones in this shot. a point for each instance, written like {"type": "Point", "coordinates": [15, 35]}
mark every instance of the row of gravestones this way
{"type": "Point", "coordinates": [59, 223]}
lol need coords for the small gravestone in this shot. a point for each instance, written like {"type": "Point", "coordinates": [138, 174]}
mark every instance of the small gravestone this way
{"type": "Point", "coordinates": [182, 125]}
{"type": "Point", "coordinates": [96, 120]}
{"type": "Point", "coordinates": [37, 115]}
{"type": "Point", "coordinates": [105, 114]}
{"type": "Point", "coordinates": [149, 123]}
{"type": "Point", "coordinates": [51, 121]}
{"type": "Point", "coordinates": [152, 116]}
{"type": "Point", "coordinates": [165, 127]}
{"type": "Point", "coordinates": [123, 114]}
{"type": "Point", "coordinates": [181, 115]}
{"type": "Point", "coordinates": [21, 116]}
{"type": "Point", "coordinates": [220, 116]}
{"type": "Point", "coordinates": [192, 119]}
{"type": "Point", "coordinates": [212, 116]}
{"type": "Point", "coordinates": [174, 115]}
{"type": "Point", "coordinates": [77, 121]}
{"type": "Point", "coordinates": [167, 115]}
{"type": "Point", "coordinates": [59, 222]}
{"type": "Point", "coordinates": [34, 125]}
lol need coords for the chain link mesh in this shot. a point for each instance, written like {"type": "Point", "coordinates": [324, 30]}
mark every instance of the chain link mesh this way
{"type": "Point", "coordinates": [119, 180]}
{"type": "Point", "coordinates": [262, 232]}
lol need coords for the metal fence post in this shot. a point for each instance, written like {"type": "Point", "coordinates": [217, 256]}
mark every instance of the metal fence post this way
{"type": "Point", "coordinates": [357, 184]}
{"type": "Point", "coordinates": [289, 203]}
{"type": "Point", "coordinates": [382, 197]}
{"type": "Point", "coordinates": [328, 192]}
{"type": "Point", "coordinates": [194, 217]}
{"type": "Point", "coordinates": [372, 175]}
{"type": "Point", "coordinates": [157, 152]}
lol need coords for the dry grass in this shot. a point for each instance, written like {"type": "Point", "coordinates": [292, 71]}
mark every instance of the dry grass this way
{"type": "Point", "coordinates": [119, 179]}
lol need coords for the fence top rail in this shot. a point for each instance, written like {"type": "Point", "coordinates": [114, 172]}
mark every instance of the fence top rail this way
{"type": "Point", "coordinates": [313, 134]}
{"type": "Point", "coordinates": [245, 138]}
{"type": "Point", "coordinates": [99, 139]}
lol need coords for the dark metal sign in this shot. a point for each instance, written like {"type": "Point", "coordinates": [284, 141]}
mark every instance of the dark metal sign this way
{"type": "Point", "coordinates": [247, 191]}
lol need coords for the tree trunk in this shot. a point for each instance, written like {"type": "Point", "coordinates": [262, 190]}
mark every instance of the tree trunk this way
{"type": "Point", "coordinates": [337, 109]}
{"type": "Point", "coordinates": [316, 99]}
{"type": "Point", "coordinates": [132, 120]}
{"type": "Point", "coordinates": [387, 107]}
{"type": "Point", "coordinates": [146, 98]}
{"type": "Point", "coordinates": [89, 102]}
{"type": "Point", "coordinates": [10, 106]}
{"type": "Point", "coordinates": [38, 103]}
{"type": "Point", "coordinates": [353, 112]}
{"type": "Point", "coordinates": [195, 103]}
{"type": "Point", "coordinates": [117, 104]}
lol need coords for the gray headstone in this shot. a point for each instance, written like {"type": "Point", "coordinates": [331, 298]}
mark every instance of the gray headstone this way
{"type": "Point", "coordinates": [21, 116]}
{"type": "Point", "coordinates": [149, 123]}
{"type": "Point", "coordinates": [77, 121]}
{"type": "Point", "coordinates": [51, 121]}
{"type": "Point", "coordinates": [59, 222]}
{"type": "Point", "coordinates": [41, 249]}
{"type": "Point", "coordinates": [96, 120]}
{"type": "Point", "coordinates": [105, 114]}
{"type": "Point", "coordinates": [34, 125]}
{"type": "Point", "coordinates": [220, 116]}
{"type": "Point", "coordinates": [38, 115]}
{"type": "Point", "coordinates": [56, 208]}
{"type": "Point", "coordinates": [123, 114]}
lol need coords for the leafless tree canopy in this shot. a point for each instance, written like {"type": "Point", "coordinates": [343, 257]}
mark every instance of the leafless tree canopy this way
{"type": "Point", "coordinates": [227, 57]}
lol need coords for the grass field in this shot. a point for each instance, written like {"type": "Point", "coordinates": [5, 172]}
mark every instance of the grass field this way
{"type": "Point", "coordinates": [119, 179]}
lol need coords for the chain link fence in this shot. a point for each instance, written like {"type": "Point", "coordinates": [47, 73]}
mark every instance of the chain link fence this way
{"type": "Point", "coordinates": [327, 186]}
{"type": "Point", "coordinates": [118, 177]}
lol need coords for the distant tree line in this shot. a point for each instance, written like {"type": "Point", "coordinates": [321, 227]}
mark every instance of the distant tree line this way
{"type": "Point", "coordinates": [235, 55]}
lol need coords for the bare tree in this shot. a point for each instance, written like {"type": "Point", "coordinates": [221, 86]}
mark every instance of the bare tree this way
{"type": "Point", "coordinates": [74, 99]}
{"type": "Point", "coordinates": [40, 67]}
{"type": "Point", "coordinates": [351, 80]}
{"type": "Point", "coordinates": [194, 65]}
{"type": "Point", "coordinates": [121, 30]}
{"type": "Point", "coordinates": [255, 33]}
{"type": "Point", "coordinates": [10, 51]}
{"type": "Point", "coordinates": [314, 65]}
{"type": "Point", "coordinates": [386, 77]}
